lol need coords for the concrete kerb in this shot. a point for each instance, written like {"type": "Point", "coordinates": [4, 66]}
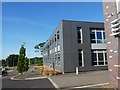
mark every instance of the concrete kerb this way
{"type": "Point", "coordinates": [54, 84]}
{"type": "Point", "coordinates": [13, 78]}
{"type": "Point", "coordinates": [34, 78]}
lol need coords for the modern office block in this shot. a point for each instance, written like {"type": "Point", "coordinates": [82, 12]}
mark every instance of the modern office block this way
{"type": "Point", "coordinates": [112, 29]}
{"type": "Point", "coordinates": [76, 44]}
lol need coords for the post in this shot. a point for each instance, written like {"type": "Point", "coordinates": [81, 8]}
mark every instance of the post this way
{"type": "Point", "coordinates": [76, 70]}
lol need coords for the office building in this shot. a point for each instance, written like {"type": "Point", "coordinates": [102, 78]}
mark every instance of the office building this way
{"type": "Point", "coordinates": [76, 44]}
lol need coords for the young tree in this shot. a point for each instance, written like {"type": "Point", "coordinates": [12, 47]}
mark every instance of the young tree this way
{"type": "Point", "coordinates": [21, 60]}
{"type": "Point", "coordinates": [26, 64]}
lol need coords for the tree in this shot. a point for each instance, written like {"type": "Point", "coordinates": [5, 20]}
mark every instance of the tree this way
{"type": "Point", "coordinates": [39, 47]}
{"type": "Point", "coordinates": [21, 60]}
{"type": "Point", "coordinates": [11, 60]}
{"type": "Point", "coordinates": [26, 64]}
{"type": "Point", "coordinates": [3, 62]}
{"type": "Point", "coordinates": [36, 61]}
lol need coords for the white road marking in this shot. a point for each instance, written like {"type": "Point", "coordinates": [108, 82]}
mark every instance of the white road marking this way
{"type": "Point", "coordinates": [55, 85]}
{"type": "Point", "coordinates": [91, 85]}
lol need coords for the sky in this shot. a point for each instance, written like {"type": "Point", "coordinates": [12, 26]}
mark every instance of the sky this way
{"type": "Point", "coordinates": [34, 22]}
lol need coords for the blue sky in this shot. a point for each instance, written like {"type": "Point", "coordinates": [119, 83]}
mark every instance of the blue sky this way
{"type": "Point", "coordinates": [34, 22]}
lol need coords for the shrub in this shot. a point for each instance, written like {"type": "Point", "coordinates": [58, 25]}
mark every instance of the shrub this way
{"type": "Point", "coordinates": [46, 71]}
{"type": "Point", "coordinates": [41, 69]}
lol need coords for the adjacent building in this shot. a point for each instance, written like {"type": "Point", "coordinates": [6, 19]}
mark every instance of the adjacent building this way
{"type": "Point", "coordinates": [76, 44]}
{"type": "Point", "coordinates": [112, 29]}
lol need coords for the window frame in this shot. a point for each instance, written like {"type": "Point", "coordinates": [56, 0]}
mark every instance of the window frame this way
{"type": "Point", "coordinates": [79, 29]}
{"type": "Point", "coordinates": [98, 61]}
{"type": "Point", "coordinates": [80, 51]}
{"type": "Point", "coordinates": [96, 30]}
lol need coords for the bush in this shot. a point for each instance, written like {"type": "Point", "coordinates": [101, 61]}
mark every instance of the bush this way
{"type": "Point", "coordinates": [36, 68]}
{"type": "Point", "coordinates": [47, 71]}
{"type": "Point", "coordinates": [41, 69]}
{"type": "Point", "coordinates": [40, 64]}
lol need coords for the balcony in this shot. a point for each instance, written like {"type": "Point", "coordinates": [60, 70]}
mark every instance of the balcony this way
{"type": "Point", "coordinates": [116, 29]}
{"type": "Point", "coordinates": [115, 21]}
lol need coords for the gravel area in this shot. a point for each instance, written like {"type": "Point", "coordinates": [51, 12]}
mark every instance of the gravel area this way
{"type": "Point", "coordinates": [29, 74]}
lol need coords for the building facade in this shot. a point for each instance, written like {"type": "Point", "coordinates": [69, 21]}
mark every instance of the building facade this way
{"type": "Point", "coordinates": [76, 44]}
{"type": "Point", "coordinates": [112, 28]}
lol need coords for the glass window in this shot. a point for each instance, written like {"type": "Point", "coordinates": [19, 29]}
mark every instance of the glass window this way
{"type": "Point", "coordinates": [55, 49]}
{"type": "Point", "coordinates": [55, 56]}
{"type": "Point", "coordinates": [103, 35]}
{"type": "Point", "coordinates": [57, 36]}
{"type": "Point", "coordinates": [94, 59]}
{"type": "Point", "coordinates": [79, 41]}
{"type": "Point", "coordinates": [99, 57]}
{"type": "Point", "coordinates": [58, 57]}
{"type": "Point", "coordinates": [99, 35]}
{"type": "Point", "coordinates": [99, 41]}
{"type": "Point", "coordinates": [50, 52]}
{"type": "Point", "coordinates": [80, 57]}
{"type": "Point", "coordinates": [101, 63]}
{"type": "Point", "coordinates": [92, 35]}
{"type": "Point", "coordinates": [106, 62]}
{"type": "Point", "coordinates": [55, 39]}
{"type": "Point", "coordinates": [93, 41]}
{"type": "Point", "coordinates": [58, 48]}
{"type": "Point", "coordinates": [79, 34]}
{"type": "Point", "coordinates": [105, 56]}
{"type": "Point", "coordinates": [52, 40]}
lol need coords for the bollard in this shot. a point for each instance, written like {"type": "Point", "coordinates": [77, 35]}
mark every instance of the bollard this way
{"type": "Point", "coordinates": [76, 70]}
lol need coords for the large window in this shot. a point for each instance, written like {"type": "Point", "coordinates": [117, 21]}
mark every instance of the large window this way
{"type": "Point", "coordinates": [92, 36]}
{"type": "Point", "coordinates": [58, 59]}
{"type": "Point", "coordinates": [80, 57]}
{"type": "Point", "coordinates": [99, 57]}
{"type": "Point", "coordinates": [79, 34]}
{"type": "Point", "coordinates": [58, 35]}
{"type": "Point", "coordinates": [97, 35]}
{"type": "Point", "coordinates": [58, 48]}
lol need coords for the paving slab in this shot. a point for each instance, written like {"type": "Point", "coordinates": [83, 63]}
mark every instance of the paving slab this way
{"type": "Point", "coordinates": [82, 79]}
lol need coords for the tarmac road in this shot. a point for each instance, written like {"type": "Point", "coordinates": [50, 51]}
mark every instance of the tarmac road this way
{"type": "Point", "coordinates": [7, 83]}
{"type": "Point", "coordinates": [39, 83]}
